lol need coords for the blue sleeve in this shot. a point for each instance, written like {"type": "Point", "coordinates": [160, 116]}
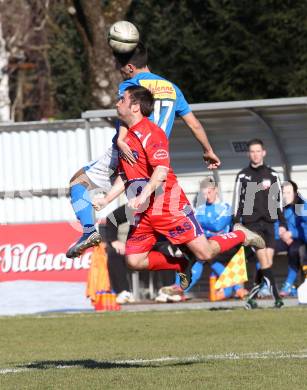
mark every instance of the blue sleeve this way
{"type": "Point", "coordinates": [125, 84]}
{"type": "Point", "coordinates": [303, 219]}
{"type": "Point", "coordinates": [219, 220]}
{"type": "Point", "coordinates": [199, 213]}
{"type": "Point", "coordinates": [121, 88]}
{"type": "Point", "coordinates": [182, 106]}
{"type": "Point", "coordinates": [223, 223]}
{"type": "Point", "coordinates": [223, 220]}
{"type": "Point", "coordinates": [294, 222]}
{"type": "Point", "coordinates": [303, 212]}
{"type": "Point", "coordinates": [304, 228]}
{"type": "Point", "coordinates": [276, 230]}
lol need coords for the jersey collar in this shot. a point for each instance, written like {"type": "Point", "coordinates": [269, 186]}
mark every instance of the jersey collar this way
{"type": "Point", "coordinates": [137, 127]}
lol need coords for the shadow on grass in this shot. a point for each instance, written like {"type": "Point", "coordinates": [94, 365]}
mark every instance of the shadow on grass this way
{"type": "Point", "coordinates": [104, 364]}
{"type": "Point", "coordinates": [223, 308]}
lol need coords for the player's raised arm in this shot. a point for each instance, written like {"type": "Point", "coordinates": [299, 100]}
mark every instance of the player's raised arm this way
{"type": "Point", "coordinates": [199, 133]}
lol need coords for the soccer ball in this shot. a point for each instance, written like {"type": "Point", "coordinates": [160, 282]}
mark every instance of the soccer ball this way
{"type": "Point", "coordinates": [123, 37]}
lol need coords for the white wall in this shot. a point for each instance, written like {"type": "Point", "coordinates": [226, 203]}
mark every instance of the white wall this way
{"type": "Point", "coordinates": [41, 157]}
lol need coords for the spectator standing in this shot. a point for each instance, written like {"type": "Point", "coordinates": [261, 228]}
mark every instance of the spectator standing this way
{"type": "Point", "coordinates": [258, 204]}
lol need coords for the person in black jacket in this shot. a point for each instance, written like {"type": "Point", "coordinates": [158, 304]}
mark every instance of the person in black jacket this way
{"type": "Point", "coordinates": [258, 204]}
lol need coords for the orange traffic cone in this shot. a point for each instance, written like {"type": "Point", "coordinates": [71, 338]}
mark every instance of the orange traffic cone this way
{"type": "Point", "coordinates": [106, 301]}
{"type": "Point", "coordinates": [98, 285]}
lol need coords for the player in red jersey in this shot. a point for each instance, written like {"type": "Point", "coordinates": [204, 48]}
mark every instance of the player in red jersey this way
{"type": "Point", "coordinates": [159, 203]}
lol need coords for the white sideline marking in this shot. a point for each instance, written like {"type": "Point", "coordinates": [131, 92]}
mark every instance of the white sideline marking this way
{"type": "Point", "coordinates": [13, 370]}
{"type": "Point", "coordinates": [188, 359]}
{"type": "Point", "coordinates": [227, 356]}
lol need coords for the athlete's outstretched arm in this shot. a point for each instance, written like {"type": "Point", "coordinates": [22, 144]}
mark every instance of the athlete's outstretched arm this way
{"type": "Point", "coordinates": [117, 189]}
{"type": "Point", "coordinates": [157, 178]}
{"type": "Point", "coordinates": [199, 133]}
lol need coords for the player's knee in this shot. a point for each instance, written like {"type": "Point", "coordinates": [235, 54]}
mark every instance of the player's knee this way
{"type": "Point", "coordinates": [74, 178]}
{"type": "Point", "coordinates": [204, 254]}
{"type": "Point", "coordinates": [79, 177]}
{"type": "Point", "coordinates": [72, 182]}
{"type": "Point", "coordinates": [133, 263]}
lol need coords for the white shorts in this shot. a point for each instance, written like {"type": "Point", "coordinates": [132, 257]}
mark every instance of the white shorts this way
{"type": "Point", "coordinates": [100, 171]}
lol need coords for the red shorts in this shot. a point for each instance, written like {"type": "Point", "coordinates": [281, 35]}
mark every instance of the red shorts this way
{"type": "Point", "coordinates": [177, 229]}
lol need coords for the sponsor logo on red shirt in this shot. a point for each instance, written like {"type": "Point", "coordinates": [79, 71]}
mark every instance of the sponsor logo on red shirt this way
{"type": "Point", "coordinates": [160, 154]}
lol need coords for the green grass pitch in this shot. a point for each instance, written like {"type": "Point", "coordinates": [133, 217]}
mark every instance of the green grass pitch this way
{"type": "Point", "coordinates": [201, 349]}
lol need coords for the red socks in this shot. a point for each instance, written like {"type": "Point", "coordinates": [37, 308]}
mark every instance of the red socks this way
{"type": "Point", "coordinates": [159, 261]}
{"type": "Point", "coordinates": [229, 240]}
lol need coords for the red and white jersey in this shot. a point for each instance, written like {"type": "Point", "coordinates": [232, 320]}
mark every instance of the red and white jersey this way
{"type": "Point", "coordinates": [150, 148]}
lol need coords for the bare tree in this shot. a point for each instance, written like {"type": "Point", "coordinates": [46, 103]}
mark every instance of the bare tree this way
{"type": "Point", "coordinates": [26, 43]}
{"type": "Point", "coordinates": [93, 20]}
{"type": "Point", "coordinates": [4, 80]}
{"type": "Point", "coordinates": [26, 26]}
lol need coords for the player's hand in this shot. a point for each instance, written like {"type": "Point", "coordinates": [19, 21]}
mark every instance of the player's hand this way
{"type": "Point", "coordinates": [138, 203]}
{"type": "Point", "coordinates": [134, 203]}
{"type": "Point", "coordinates": [285, 236]}
{"type": "Point", "coordinates": [126, 152]}
{"type": "Point", "coordinates": [282, 231]}
{"type": "Point", "coordinates": [288, 241]}
{"type": "Point", "coordinates": [211, 159]}
{"type": "Point", "coordinates": [99, 203]}
{"type": "Point", "coordinates": [119, 247]}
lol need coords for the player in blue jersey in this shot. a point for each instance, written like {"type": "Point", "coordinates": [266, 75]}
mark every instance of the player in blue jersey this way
{"type": "Point", "coordinates": [169, 100]}
{"type": "Point", "coordinates": [291, 239]}
{"type": "Point", "coordinates": [169, 103]}
{"type": "Point", "coordinates": [215, 217]}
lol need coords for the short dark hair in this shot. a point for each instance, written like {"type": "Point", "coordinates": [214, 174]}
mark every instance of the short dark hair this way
{"type": "Point", "coordinates": [143, 97]}
{"type": "Point", "coordinates": [138, 57]}
{"type": "Point", "coordinates": [255, 141]}
{"type": "Point", "coordinates": [298, 199]}
{"type": "Point", "coordinates": [292, 184]}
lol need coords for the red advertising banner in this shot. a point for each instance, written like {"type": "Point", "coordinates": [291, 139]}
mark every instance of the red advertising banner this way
{"type": "Point", "coordinates": [37, 252]}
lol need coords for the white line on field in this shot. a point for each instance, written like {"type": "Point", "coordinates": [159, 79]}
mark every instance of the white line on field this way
{"type": "Point", "coordinates": [139, 362]}
{"type": "Point", "coordinates": [12, 370]}
{"type": "Point", "coordinates": [227, 356]}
